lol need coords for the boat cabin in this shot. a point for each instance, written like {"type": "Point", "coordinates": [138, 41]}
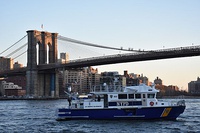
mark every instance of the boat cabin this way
{"type": "Point", "coordinates": [130, 96]}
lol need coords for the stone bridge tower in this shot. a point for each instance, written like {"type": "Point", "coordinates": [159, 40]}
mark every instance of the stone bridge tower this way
{"type": "Point", "coordinates": [41, 83]}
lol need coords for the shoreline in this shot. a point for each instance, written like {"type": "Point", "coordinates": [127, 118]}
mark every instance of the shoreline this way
{"type": "Point", "coordinates": [49, 98]}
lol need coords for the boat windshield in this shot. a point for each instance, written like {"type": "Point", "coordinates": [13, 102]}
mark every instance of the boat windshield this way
{"type": "Point", "coordinates": [151, 95]}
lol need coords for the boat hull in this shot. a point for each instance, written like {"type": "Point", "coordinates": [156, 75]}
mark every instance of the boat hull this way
{"type": "Point", "coordinates": [141, 113]}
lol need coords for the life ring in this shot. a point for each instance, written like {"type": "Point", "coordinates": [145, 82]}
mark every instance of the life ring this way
{"type": "Point", "coordinates": [151, 103]}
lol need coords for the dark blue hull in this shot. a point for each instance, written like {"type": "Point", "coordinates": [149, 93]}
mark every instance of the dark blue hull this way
{"type": "Point", "coordinates": [145, 113]}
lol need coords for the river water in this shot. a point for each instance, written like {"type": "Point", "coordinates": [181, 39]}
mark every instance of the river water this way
{"type": "Point", "coordinates": [39, 116]}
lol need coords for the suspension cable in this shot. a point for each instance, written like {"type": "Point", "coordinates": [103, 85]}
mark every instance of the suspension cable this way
{"type": "Point", "coordinates": [16, 50]}
{"type": "Point", "coordinates": [95, 45]}
{"type": "Point", "coordinates": [13, 45]}
{"type": "Point", "coordinates": [20, 54]}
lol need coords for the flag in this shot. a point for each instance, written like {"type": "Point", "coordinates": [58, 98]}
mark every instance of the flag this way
{"type": "Point", "coordinates": [42, 26]}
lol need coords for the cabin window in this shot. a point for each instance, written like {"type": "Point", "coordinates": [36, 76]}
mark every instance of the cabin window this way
{"type": "Point", "coordinates": [151, 95]}
{"type": "Point", "coordinates": [131, 96]}
{"type": "Point", "coordinates": [144, 96]}
{"type": "Point", "coordinates": [122, 96]}
{"type": "Point", "coordinates": [137, 95]}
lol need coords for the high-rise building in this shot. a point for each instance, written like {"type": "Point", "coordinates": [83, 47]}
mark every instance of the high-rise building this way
{"type": "Point", "coordinates": [17, 65]}
{"type": "Point", "coordinates": [158, 81]}
{"type": "Point", "coordinates": [81, 80]}
{"type": "Point", "coordinates": [64, 58]}
{"type": "Point", "coordinates": [6, 63]}
{"type": "Point", "coordinates": [112, 78]}
{"type": "Point", "coordinates": [144, 80]}
{"type": "Point", "coordinates": [194, 86]}
{"type": "Point", "coordinates": [93, 78]}
{"type": "Point", "coordinates": [135, 79]}
{"type": "Point", "coordinates": [74, 79]}
{"type": "Point", "coordinates": [173, 88]}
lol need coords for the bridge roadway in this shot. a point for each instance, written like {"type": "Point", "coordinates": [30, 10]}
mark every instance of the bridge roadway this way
{"type": "Point", "coordinates": [113, 59]}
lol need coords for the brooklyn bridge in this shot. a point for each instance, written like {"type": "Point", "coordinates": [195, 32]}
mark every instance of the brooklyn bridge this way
{"type": "Point", "coordinates": [42, 59]}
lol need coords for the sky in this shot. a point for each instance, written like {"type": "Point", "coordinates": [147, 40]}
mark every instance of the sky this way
{"type": "Point", "coordinates": [140, 24]}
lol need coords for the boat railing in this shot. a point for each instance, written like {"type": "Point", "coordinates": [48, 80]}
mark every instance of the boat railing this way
{"type": "Point", "coordinates": [107, 88]}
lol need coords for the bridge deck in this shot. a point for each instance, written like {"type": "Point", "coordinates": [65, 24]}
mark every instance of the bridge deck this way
{"type": "Point", "coordinates": [119, 58]}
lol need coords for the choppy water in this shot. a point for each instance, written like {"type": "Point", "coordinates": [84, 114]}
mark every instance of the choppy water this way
{"type": "Point", "coordinates": [39, 116]}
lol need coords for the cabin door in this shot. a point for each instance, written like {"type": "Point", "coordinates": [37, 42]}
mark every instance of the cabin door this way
{"type": "Point", "coordinates": [144, 99]}
{"type": "Point", "coordinates": [105, 100]}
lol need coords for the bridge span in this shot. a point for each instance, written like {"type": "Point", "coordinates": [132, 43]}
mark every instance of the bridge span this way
{"type": "Point", "coordinates": [113, 59]}
{"type": "Point", "coordinates": [42, 75]}
{"type": "Point", "coordinates": [123, 58]}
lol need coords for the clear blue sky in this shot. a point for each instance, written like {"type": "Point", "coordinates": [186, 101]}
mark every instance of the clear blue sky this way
{"type": "Point", "coordinates": [145, 24]}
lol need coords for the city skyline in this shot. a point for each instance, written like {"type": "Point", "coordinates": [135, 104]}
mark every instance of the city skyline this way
{"type": "Point", "coordinates": [139, 24]}
{"type": "Point", "coordinates": [65, 58]}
